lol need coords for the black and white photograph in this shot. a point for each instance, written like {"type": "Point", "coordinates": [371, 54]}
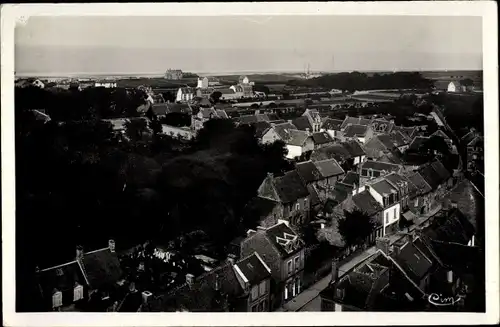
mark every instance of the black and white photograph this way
{"type": "Point", "coordinates": [258, 162]}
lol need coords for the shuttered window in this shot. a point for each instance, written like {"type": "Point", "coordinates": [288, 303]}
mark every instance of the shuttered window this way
{"type": "Point", "coordinates": [56, 300]}
{"type": "Point", "coordinates": [78, 293]}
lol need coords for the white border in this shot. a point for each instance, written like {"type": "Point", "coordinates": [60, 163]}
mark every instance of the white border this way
{"type": "Point", "coordinates": [486, 9]}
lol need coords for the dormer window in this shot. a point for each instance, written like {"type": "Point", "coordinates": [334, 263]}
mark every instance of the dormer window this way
{"type": "Point", "coordinates": [78, 293]}
{"type": "Point", "coordinates": [56, 299]}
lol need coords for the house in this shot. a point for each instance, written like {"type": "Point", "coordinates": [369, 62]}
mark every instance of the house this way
{"type": "Point", "coordinates": [297, 142]}
{"type": "Point", "coordinates": [229, 94]}
{"type": "Point", "coordinates": [161, 110]}
{"type": "Point", "coordinates": [202, 83]}
{"type": "Point", "coordinates": [185, 94]}
{"type": "Point", "coordinates": [409, 132]}
{"type": "Point", "coordinates": [456, 86]}
{"type": "Point", "coordinates": [204, 93]}
{"type": "Point", "coordinates": [321, 139]}
{"type": "Point", "coordinates": [310, 121]}
{"type": "Point", "coordinates": [331, 126]}
{"type": "Point", "coordinates": [438, 178]}
{"type": "Point", "coordinates": [105, 84]}
{"type": "Point", "coordinates": [373, 169]}
{"type": "Point", "coordinates": [351, 179]}
{"type": "Point", "coordinates": [290, 195]}
{"type": "Point", "coordinates": [381, 126]}
{"type": "Point", "coordinates": [38, 83]}
{"type": "Point", "coordinates": [388, 196]}
{"type": "Point", "coordinates": [281, 248]}
{"type": "Point", "coordinates": [382, 148]}
{"type": "Point", "coordinates": [402, 184]}
{"type": "Point", "coordinates": [360, 133]}
{"type": "Point", "coordinates": [173, 74]}
{"type": "Point", "coordinates": [419, 194]}
{"type": "Point", "coordinates": [474, 145]}
{"type": "Point", "coordinates": [205, 114]}
{"type": "Point", "coordinates": [234, 286]}
{"type": "Point", "coordinates": [356, 152]}
{"type": "Point", "coordinates": [354, 121]}
{"type": "Point", "coordinates": [320, 175]}
{"type": "Point", "coordinates": [446, 138]}
{"type": "Point", "coordinates": [77, 281]}
{"type": "Point", "coordinates": [243, 90]}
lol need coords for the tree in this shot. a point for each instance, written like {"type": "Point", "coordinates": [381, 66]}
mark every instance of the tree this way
{"type": "Point", "coordinates": [467, 82]}
{"type": "Point", "coordinates": [355, 227]}
{"type": "Point", "coordinates": [136, 129]}
{"type": "Point", "coordinates": [215, 97]}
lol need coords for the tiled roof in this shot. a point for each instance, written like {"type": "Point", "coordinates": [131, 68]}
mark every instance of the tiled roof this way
{"type": "Point", "coordinates": [399, 139]}
{"type": "Point", "coordinates": [295, 137]}
{"type": "Point", "coordinates": [247, 119]}
{"type": "Point", "coordinates": [253, 269]}
{"type": "Point", "coordinates": [167, 108]}
{"type": "Point", "coordinates": [313, 195]}
{"type": "Point", "coordinates": [351, 178]}
{"type": "Point", "coordinates": [308, 172]}
{"type": "Point", "coordinates": [302, 123]}
{"type": "Point", "coordinates": [439, 168]}
{"type": "Point", "coordinates": [355, 121]}
{"type": "Point", "coordinates": [386, 141]}
{"type": "Point", "coordinates": [321, 138]}
{"type": "Point", "coordinates": [440, 133]}
{"type": "Point", "coordinates": [328, 168]}
{"type": "Point", "coordinates": [354, 148]}
{"type": "Point", "coordinates": [332, 124]}
{"type": "Point", "coordinates": [418, 141]}
{"type": "Point", "coordinates": [380, 166]}
{"type": "Point", "coordinates": [283, 130]}
{"type": "Point", "coordinates": [102, 267]}
{"type": "Point", "coordinates": [261, 127]}
{"type": "Point", "coordinates": [408, 131]}
{"type": "Point", "coordinates": [453, 227]}
{"type": "Point", "coordinates": [383, 187]}
{"type": "Point", "coordinates": [335, 151]}
{"type": "Point", "coordinates": [355, 130]}
{"type": "Point", "coordinates": [365, 202]}
{"type": "Point", "coordinates": [415, 264]}
{"type": "Point", "coordinates": [225, 91]}
{"type": "Point", "coordinates": [420, 183]}
{"type": "Point", "coordinates": [430, 176]}
{"type": "Point", "coordinates": [290, 187]}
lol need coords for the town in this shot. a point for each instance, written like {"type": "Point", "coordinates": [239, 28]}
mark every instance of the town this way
{"type": "Point", "coordinates": [258, 193]}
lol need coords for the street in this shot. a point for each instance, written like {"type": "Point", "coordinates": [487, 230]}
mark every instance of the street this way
{"type": "Point", "coordinates": [309, 299]}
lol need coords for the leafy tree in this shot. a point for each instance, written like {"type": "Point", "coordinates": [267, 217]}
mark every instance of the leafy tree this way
{"type": "Point", "coordinates": [155, 126]}
{"type": "Point", "coordinates": [215, 97]}
{"type": "Point", "coordinates": [135, 129]}
{"type": "Point", "coordinates": [467, 82]}
{"type": "Point", "coordinates": [355, 227]}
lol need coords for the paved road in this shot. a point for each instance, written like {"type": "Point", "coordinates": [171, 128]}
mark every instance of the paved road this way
{"type": "Point", "coordinates": [309, 299]}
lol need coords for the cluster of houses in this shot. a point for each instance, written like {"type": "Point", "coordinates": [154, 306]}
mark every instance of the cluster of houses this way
{"type": "Point", "coordinates": [206, 86]}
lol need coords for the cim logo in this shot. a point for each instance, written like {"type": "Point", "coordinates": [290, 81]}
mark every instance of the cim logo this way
{"type": "Point", "coordinates": [440, 300]}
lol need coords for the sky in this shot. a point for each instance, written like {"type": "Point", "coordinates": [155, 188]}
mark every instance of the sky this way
{"type": "Point", "coordinates": [217, 44]}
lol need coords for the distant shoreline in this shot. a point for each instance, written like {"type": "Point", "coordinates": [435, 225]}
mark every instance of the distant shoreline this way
{"type": "Point", "coordinates": [229, 73]}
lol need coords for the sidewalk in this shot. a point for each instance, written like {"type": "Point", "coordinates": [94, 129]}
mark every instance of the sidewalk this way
{"type": "Point", "coordinates": [312, 292]}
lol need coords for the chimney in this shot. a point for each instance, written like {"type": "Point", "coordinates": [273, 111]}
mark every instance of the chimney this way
{"type": "Point", "coordinates": [111, 245]}
{"type": "Point", "coordinates": [189, 279]}
{"type": "Point", "coordinates": [231, 258]}
{"type": "Point", "coordinates": [335, 270]}
{"type": "Point", "coordinates": [141, 266]}
{"type": "Point", "coordinates": [250, 232]}
{"type": "Point", "coordinates": [79, 252]}
{"type": "Point", "coordinates": [383, 243]}
{"type": "Point", "coordinates": [132, 288]}
{"type": "Point", "coordinates": [449, 276]}
{"type": "Point", "coordinates": [146, 295]}
{"type": "Point", "coordinates": [217, 282]}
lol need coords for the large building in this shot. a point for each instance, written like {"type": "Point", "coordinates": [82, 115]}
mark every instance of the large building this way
{"type": "Point", "coordinates": [173, 74]}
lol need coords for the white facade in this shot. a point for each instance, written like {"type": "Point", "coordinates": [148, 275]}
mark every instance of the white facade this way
{"type": "Point", "coordinates": [184, 96]}
{"type": "Point", "coordinates": [330, 132]}
{"type": "Point", "coordinates": [38, 83]}
{"type": "Point", "coordinates": [293, 151]}
{"type": "Point", "coordinates": [107, 85]}
{"type": "Point", "coordinates": [391, 216]}
{"type": "Point", "coordinates": [454, 87]}
{"type": "Point", "coordinates": [203, 83]}
{"type": "Point", "coordinates": [359, 159]}
{"type": "Point", "coordinates": [270, 137]}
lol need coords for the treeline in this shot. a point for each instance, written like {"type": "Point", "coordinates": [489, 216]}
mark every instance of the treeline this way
{"type": "Point", "coordinates": [73, 105]}
{"type": "Point", "coordinates": [76, 183]}
{"type": "Point", "coordinates": [357, 81]}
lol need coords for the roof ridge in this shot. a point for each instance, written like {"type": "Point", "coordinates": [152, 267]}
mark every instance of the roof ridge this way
{"type": "Point", "coordinates": [58, 266]}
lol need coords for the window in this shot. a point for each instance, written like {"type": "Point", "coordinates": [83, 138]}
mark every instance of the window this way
{"type": "Point", "coordinates": [289, 265]}
{"type": "Point", "coordinates": [78, 293]}
{"type": "Point", "coordinates": [297, 206]}
{"type": "Point", "coordinates": [286, 292]}
{"type": "Point", "coordinates": [294, 288]}
{"type": "Point", "coordinates": [255, 292]}
{"type": "Point", "coordinates": [296, 263]}
{"type": "Point", "coordinates": [364, 172]}
{"type": "Point", "coordinates": [299, 285]}
{"type": "Point", "coordinates": [395, 213]}
{"type": "Point", "coordinates": [262, 288]}
{"type": "Point", "coordinates": [56, 299]}
{"type": "Point", "coordinates": [386, 218]}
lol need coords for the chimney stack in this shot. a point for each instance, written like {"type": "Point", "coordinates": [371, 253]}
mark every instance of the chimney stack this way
{"type": "Point", "coordinates": [111, 245]}
{"type": "Point", "coordinates": [79, 252]}
{"type": "Point", "coordinates": [146, 295]}
{"type": "Point", "coordinates": [335, 270]}
{"type": "Point", "coordinates": [383, 244]}
{"type": "Point", "coordinates": [453, 205]}
{"type": "Point", "coordinates": [189, 279]}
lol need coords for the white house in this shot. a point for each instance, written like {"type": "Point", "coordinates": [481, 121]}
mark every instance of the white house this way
{"type": "Point", "coordinates": [203, 83]}
{"type": "Point", "coordinates": [107, 85]}
{"type": "Point", "coordinates": [297, 142]}
{"type": "Point", "coordinates": [38, 83]}
{"type": "Point", "coordinates": [455, 87]}
{"type": "Point", "coordinates": [387, 196]}
{"type": "Point", "coordinates": [184, 94]}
